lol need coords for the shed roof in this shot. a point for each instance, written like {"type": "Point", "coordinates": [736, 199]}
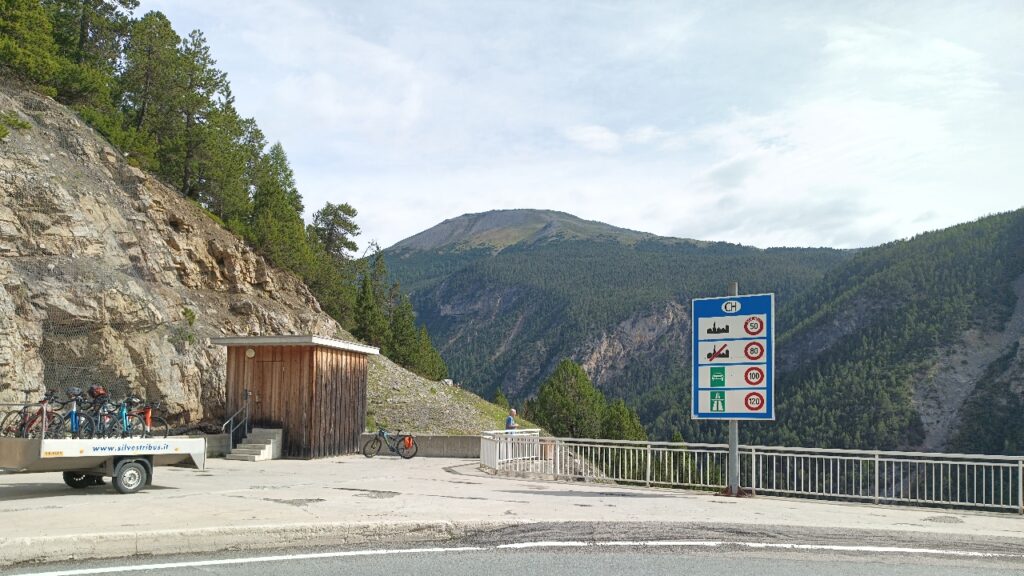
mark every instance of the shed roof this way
{"type": "Point", "coordinates": [299, 340]}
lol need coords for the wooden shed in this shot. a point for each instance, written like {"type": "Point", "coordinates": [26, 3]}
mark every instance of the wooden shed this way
{"type": "Point", "coordinates": [313, 388]}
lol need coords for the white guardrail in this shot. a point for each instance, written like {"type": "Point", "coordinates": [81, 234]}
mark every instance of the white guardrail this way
{"type": "Point", "coordinates": [916, 478]}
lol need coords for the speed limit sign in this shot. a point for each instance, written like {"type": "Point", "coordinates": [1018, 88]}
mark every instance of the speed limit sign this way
{"type": "Point", "coordinates": [733, 346]}
{"type": "Point", "coordinates": [754, 401]}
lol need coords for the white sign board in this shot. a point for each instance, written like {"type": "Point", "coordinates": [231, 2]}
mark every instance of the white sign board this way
{"type": "Point", "coordinates": [734, 357]}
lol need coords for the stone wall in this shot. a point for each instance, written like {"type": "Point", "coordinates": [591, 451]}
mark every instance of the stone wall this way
{"type": "Point", "coordinates": [438, 446]}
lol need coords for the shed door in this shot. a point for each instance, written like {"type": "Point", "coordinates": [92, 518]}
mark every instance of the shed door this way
{"type": "Point", "coordinates": [267, 408]}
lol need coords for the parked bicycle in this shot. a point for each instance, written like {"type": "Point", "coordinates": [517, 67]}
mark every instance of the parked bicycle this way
{"type": "Point", "coordinates": [80, 423]}
{"type": "Point", "coordinates": [113, 419]}
{"type": "Point", "coordinates": [154, 426]}
{"type": "Point", "coordinates": [402, 444]}
{"type": "Point", "coordinates": [34, 420]}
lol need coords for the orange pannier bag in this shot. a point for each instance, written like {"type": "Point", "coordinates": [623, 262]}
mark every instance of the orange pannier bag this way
{"type": "Point", "coordinates": [408, 442]}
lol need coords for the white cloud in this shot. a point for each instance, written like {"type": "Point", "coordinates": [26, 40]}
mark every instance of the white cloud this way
{"type": "Point", "coordinates": [843, 125]}
{"type": "Point", "coordinates": [899, 63]}
{"type": "Point", "coordinates": [594, 137]}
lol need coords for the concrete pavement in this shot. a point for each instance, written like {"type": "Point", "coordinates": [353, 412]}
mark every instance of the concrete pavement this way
{"type": "Point", "coordinates": [353, 500]}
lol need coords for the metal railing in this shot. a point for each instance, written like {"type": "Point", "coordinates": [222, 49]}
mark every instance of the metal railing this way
{"type": "Point", "coordinates": [880, 477]}
{"type": "Point", "coordinates": [493, 452]}
{"type": "Point", "coordinates": [238, 421]}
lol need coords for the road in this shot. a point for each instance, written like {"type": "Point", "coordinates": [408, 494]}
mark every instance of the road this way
{"type": "Point", "coordinates": [279, 506]}
{"type": "Point", "coordinates": [613, 558]}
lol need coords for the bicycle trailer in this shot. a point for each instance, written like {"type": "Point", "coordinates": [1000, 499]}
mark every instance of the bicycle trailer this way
{"type": "Point", "coordinates": [129, 462]}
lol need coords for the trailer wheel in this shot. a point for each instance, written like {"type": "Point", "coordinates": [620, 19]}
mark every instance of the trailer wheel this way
{"type": "Point", "coordinates": [78, 480]}
{"type": "Point", "coordinates": [130, 477]}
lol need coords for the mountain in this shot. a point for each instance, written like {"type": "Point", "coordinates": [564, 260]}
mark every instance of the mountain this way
{"type": "Point", "coordinates": [109, 276]}
{"type": "Point", "coordinates": [881, 347]}
{"type": "Point", "coordinates": [502, 228]}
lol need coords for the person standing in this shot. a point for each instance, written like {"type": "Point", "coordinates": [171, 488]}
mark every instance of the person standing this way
{"type": "Point", "coordinates": [510, 422]}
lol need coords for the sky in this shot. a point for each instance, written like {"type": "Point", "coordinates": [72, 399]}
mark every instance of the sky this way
{"type": "Point", "coordinates": [843, 124]}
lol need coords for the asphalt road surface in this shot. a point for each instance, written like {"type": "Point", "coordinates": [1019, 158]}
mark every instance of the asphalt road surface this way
{"type": "Point", "coordinates": [555, 559]}
{"type": "Point", "coordinates": [598, 549]}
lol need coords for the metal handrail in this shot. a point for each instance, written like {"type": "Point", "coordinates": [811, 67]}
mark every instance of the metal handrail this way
{"type": "Point", "coordinates": [242, 422]}
{"type": "Point", "coordinates": [760, 448]}
{"type": "Point", "coordinates": [893, 477]}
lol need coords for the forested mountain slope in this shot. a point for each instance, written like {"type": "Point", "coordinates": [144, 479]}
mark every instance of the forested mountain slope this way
{"type": "Point", "coordinates": [867, 338]}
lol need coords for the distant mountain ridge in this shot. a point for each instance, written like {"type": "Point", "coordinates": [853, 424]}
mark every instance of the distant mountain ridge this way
{"type": "Point", "coordinates": [501, 228]}
{"type": "Point", "coordinates": [867, 338]}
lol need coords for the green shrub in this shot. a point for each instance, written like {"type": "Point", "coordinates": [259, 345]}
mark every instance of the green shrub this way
{"type": "Point", "coordinates": [11, 120]}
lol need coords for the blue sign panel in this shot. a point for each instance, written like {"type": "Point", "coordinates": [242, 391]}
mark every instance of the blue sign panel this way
{"type": "Point", "coordinates": [734, 357]}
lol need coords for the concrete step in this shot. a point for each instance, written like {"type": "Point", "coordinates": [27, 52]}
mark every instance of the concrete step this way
{"type": "Point", "coordinates": [243, 457]}
{"type": "Point", "coordinates": [248, 451]}
{"type": "Point", "coordinates": [254, 445]}
{"type": "Point", "coordinates": [260, 440]}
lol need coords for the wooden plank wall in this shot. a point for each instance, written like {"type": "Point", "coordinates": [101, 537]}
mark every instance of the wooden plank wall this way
{"type": "Point", "coordinates": [340, 408]}
{"type": "Point", "coordinates": [316, 395]}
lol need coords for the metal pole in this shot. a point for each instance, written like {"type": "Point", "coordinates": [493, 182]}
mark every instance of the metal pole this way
{"type": "Point", "coordinates": [755, 469]}
{"type": "Point", "coordinates": [876, 478]}
{"type": "Point", "coordinates": [648, 464]}
{"type": "Point", "coordinates": [1020, 485]}
{"type": "Point", "coordinates": [734, 435]}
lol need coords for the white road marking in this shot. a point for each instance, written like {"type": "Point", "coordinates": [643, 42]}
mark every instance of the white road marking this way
{"type": "Point", "coordinates": [227, 561]}
{"type": "Point", "coordinates": [554, 544]}
{"type": "Point", "coordinates": [528, 545]}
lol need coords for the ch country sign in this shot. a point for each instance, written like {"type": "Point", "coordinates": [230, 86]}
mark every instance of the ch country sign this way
{"type": "Point", "coordinates": [734, 357]}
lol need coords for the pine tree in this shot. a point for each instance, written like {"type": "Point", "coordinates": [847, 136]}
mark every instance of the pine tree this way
{"type": "Point", "coordinates": [404, 345]}
{"type": "Point", "coordinates": [429, 362]}
{"type": "Point", "coordinates": [568, 404]}
{"type": "Point", "coordinates": [335, 226]}
{"type": "Point", "coordinates": [149, 90]}
{"type": "Point", "coordinates": [371, 323]}
{"type": "Point", "coordinates": [26, 41]}
{"type": "Point", "coordinates": [90, 37]}
{"type": "Point", "coordinates": [622, 423]}
{"type": "Point", "coordinates": [277, 229]}
{"type": "Point", "coordinates": [500, 399]}
{"type": "Point", "coordinates": [91, 32]}
{"type": "Point", "coordinates": [203, 84]}
{"type": "Point", "coordinates": [233, 144]}
{"type": "Point", "coordinates": [152, 62]}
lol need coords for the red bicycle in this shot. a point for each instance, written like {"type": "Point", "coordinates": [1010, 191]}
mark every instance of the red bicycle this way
{"type": "Point", "coordinates": [34, 421]}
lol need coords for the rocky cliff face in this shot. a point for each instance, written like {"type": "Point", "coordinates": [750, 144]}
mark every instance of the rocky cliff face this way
{"type": "Point", "coordinates": [662, 334]}
{"type": "Point", "coordinates": [109, 276]}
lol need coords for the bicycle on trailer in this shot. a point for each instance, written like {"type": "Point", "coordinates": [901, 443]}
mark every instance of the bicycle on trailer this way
{"type": "Point", "coordinates": [402, 444]}
{"type": "Point", "coordinates": [34, 421]}
{"type": "Point", "coordinates": [80, 423]}
{"type": "Point", "coordinates": [112, 420]}
{"type": "Point", "coordinates": [155, 426]}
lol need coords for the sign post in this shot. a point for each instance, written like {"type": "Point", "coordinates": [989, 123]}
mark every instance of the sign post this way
{"type": "Point", "coordinates": [734, 365]}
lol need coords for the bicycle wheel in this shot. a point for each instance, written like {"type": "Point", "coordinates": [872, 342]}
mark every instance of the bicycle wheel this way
{"type": "Point", "coordinates": [158, 427]}
{"type": "Point", "coordinates": [86, 427]}
{"type": "Point", "coordinates": [136, 427]}
{"type": "Point", "coordinates": [372, 448]}
{"type": "Point", "coordinates": [54, 427]}
{"type": "Point", "coordinates": [11, 425]}
{"type": "Point", "coordinates": [406, 446]}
